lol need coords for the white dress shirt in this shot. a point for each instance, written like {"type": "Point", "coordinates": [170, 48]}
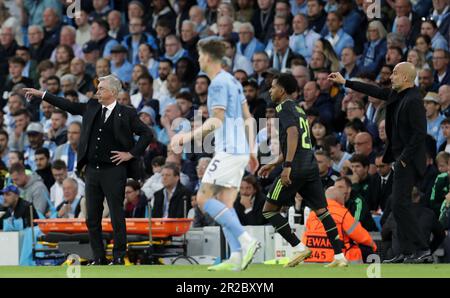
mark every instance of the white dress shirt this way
{"type": "Point", "coordinates": [110, 108]}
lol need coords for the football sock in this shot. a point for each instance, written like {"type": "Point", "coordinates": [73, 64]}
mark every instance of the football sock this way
{"type": "Point", "coordinates": [282, 226]}
{"type": "Point", "coordinates": [224, 217]}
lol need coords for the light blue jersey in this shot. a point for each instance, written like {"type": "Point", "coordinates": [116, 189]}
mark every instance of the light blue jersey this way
{"type": "Point", "coordinates": [226, 92]}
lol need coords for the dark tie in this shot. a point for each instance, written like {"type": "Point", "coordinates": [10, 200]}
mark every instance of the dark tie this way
{"type": "Point", "coordinates": [104, 110]}
{"type": "Point", "coordinates": [383, 183]}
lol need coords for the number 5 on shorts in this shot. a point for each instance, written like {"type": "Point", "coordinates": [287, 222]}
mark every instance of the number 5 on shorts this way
{"type": "Point", "coordinates": [214, 165]}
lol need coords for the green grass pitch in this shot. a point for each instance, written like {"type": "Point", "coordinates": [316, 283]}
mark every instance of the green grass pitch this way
{"type": "Point", "coordinates": [254, 271]}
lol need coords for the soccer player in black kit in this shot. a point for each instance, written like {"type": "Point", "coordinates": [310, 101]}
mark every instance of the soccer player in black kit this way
{"type": "Point", "coordinates": [300, 174]}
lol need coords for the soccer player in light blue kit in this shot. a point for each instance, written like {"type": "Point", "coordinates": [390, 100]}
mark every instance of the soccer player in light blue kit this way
{"type": "Point", "coordinates": [228, 112]}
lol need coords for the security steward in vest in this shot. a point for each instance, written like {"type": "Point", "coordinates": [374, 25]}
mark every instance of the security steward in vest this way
{"type": "Point", "coordinates": [357, 241]}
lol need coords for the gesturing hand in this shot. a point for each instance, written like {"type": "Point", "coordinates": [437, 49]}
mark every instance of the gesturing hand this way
{"type": "Point", "coordinates": [336, 77]}
{"type": "Point", "coordinates": [120, 157]}
{"type": "Point", "coordinates": [31, 92]}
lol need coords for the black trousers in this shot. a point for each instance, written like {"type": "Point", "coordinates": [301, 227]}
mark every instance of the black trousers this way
{"type": "Point", "coordinates": [409, 234]}
{"type": "Point", "coordinates": [106, 182]}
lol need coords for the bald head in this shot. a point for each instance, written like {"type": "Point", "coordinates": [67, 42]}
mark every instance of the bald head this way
{"type": "Point", "coordinates": [363, 143]}
{"type": "Point", "coordinates": [403, 76]}
{"type": "Point", "coordinates": [333, 193]}
{"type": "Point", "coordinates": [408, 70]}
{"type": "Point", "coordinates": [363, 137]}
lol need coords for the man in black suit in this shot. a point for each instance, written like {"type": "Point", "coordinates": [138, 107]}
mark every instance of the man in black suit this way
{"type": "Point", "coordinates": [380, 188]}
{"type": "Point", "coordinates": [406, 129]}
{"type": "Point", "coordinates": [106, 151]}
{"type": "Point", "coordinates": [169, 201]}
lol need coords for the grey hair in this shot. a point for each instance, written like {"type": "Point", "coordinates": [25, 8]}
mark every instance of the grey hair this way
{"type": "Point", "coordinates": [37, 27]}
{"type": "Point", "coordinates": [380, 28]}
{"type": "Point", "coordinates": [191, 23]}
{"type": "Point", "coordinates": [73, 181]}
{"type": "Point", "coordinates": [114, 83]}
{"type": "Point", "coordinates": [70, 29]}
{"type": "Point", "coordinates": [249, 26]}
{"type": "Point", "coordinates": [69, 77]}
{"type": "Point", "coordinates": [4, 28]}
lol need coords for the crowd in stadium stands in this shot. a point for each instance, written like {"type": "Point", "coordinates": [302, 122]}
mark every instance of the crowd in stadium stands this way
{"type": "Point", "coordinates": [150, 45]}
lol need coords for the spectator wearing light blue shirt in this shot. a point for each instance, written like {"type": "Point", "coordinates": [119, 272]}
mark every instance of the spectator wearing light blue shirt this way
{"type": "Point", "coordinates": [35, 10]}
{"type": "Point", "coordinates": [147, 58]}
{"type": "Point", "coordinates": [174, 50]}
{"type": "Point", "coordinates": [303, 39]}
{"type": "Point", "coordinates": [120, 67]}
{"type": "Point", "coordinates": [248, 44]}
{"type": "Point", "coordinates": [16, 102]}
{"type": "Point", "coordinates": [434, 118]}
{"type": "Point", "coordinates": [68, 152]}
{"type": "Point", "coordinates": [299, 6]}
{"type": "Point", "coordinates": [353, 19]}
{"type": "Point", "coordinates": [337, 36]}
{"type": "Point", "coordinates": [137, 37]}
{"type": "Point", "coordinates": [172, 123]}
{"type": "Point", "coordinates": [438, 41]}
{"type": "Point", "coordinates": [148, 116]}
{"type": "Point", "coordinates": [173, 88]}
{"type": "Point", "coordinates": [35, 133]}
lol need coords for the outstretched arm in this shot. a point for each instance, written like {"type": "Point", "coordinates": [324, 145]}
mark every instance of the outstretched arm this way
{"type": "Point", "coordinates": [368, 89]}
{"type": "Point", "coordinates": [73, 108]}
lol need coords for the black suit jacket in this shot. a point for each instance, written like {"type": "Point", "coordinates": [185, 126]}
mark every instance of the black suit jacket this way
{"type": "Point", "coordinates": [176, 205]}
{"type": "Point", "coordinates": [445, 80]}
{"type": "Point", "coordinates": [378, 195]}
{"type": "Point", "coordinates": [126, 125]}
{"type": "Point", "coordinates": [406, 124]}
{"type": "Point", "coordinates": [254, 217]}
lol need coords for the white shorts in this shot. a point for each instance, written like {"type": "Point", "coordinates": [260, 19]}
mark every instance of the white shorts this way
{"type": "Point", "coordinates": [226, 170]}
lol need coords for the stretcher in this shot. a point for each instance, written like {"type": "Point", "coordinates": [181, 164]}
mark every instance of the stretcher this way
{"type": "Point", "coordinates": [63, 237]}
{"type": "Point", "coordinates": [161, 227]}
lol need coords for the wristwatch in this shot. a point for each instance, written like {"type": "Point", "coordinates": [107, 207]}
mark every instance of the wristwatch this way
{"type": "Point", "coordinates": [287, 164]}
